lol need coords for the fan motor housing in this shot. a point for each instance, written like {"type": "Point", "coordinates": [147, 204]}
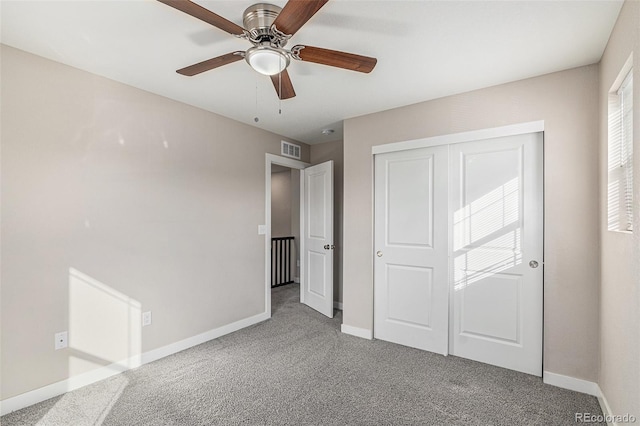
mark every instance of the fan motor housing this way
{"type": "Point", "coordinates": [257, 20]}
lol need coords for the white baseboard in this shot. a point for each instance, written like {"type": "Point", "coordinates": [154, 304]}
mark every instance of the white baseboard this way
{"type": "Point", "coordinates": [337, 305]}
{"type": "Point", "coordinates": [606, 410]}
{"type": "Point", "coordinates": [583, 386]}
{"type": "Point", "coordinates": [55, 389]}
{"type": "Point", "coordinates": [571, 383]}
{"type": "Point", "coordinates": [357, 331]}
{"type": "Point", "coordinates": [46, 392]}
{"type": "Point", "coordinates": [176, 347]}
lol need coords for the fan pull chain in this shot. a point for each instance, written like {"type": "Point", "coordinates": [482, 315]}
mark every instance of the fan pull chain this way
{"type": "Point", "coordinates": [280, 93]}
{"type": "Point", "coordinates": [280, 89]}
{"type": "Point", "coordinates": [256, 119]}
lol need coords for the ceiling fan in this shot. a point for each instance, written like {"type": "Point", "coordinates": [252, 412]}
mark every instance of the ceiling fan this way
{"type": "Point", "coordinates": [269, 28]}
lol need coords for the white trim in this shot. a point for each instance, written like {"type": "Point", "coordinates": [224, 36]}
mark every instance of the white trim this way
{"type": "Point", "coordinates": [282, 161]}
{"type": "Point", "coordinates": [72, 383]}
{"type": "Point", "coordinates": [190, 342]}
{"type": "Point", "coordinates": [624, 71]}
{"type": "Point", "coordinates": [608, 414]}
{"type": "Point", "coordinates": [571, 383]}
{"type": "Point", "coordinates": [302, 235]}
{"type": "Point", "coordinates": [46, 392]}
{"type": "Point", "coordinates": [357, 331]}
{"type": "Point", "coordinates": [337, 305]}
{"type": "Point", "coordinates": [606, 409]}
{"type": "Point", "coordinates": [474, 135]}
{"type": "Point", "coordinates": [287, 162]}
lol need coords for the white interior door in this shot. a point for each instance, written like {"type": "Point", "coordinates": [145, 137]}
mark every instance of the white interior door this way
{"type": "Point", "coordinates": [411, 242]}
{"type": "Point", "coordinates": [497, 208]}
{"type": "Point", "coordinates": [316, 222]}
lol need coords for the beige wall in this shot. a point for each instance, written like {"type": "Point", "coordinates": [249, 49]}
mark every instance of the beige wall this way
{"type": "Point", "coordinates": [568, 103]}
{"type": "Point", "coordinates": [155, 203]}
{"type": "Point", "coordinates": [281, 204]}
{"type": "Point", "coordinates": [319, 154]}
{"type": "Point", "coordinates": [620, 295]}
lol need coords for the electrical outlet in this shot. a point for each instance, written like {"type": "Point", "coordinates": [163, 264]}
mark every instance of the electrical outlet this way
{"type": "Point", "coordinates": [61, 340]}
{"type": "Point", "coordinates": [146, 318]}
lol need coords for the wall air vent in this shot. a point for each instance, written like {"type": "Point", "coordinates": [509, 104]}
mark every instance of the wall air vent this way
{"type": "Point", "coordinates": [290, 150]}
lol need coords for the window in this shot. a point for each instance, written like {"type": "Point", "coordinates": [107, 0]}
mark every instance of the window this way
{"type": "Point", "coordinates": [620, 184]}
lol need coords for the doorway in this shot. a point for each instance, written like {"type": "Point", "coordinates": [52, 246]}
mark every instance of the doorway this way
{"type": "Point", "coordinates": [285, 226]}
{"type": "Point", "coordinates": [316, 245]}
{"type": "Point", "coordinates": [458, 240]}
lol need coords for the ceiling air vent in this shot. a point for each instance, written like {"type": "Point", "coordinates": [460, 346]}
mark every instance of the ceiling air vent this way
{"type": "Point", "coordinates": [290, 150]}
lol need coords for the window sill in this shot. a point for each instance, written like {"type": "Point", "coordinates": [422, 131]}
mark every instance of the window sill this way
{"type": "Point", "coordinates": [617, 231]}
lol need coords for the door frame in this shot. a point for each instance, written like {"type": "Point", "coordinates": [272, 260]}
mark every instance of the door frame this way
{"type": "Point", "coordinates": [473, 135]}
{"type": "Point", "coordinates": [455, 138]}
{"type": "Point", "coordinates": [293, 164]}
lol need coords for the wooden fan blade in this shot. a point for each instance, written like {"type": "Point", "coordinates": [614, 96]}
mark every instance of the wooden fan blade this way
{"type": "Point", "coordinates": [210, 64]}
{"type": "Point", "coordinates": [334, 58]}
{"type": "Point", "coordinates": [197, 11]}
{"type": "Point", "coordinates": [295, 14]}
{"type": "Point", "coordinates": [283, 81]}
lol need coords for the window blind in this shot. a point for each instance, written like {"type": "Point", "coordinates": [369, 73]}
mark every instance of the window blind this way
{"type": "Point", "coordinates": [625, 94]}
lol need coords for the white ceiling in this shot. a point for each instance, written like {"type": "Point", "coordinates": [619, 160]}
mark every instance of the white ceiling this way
{"type": "Point", "coordinates": [425, 50]}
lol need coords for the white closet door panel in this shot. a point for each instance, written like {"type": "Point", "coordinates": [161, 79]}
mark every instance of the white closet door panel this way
{"type": "Point", "coordinates": [496, 205]}
{"type": "Point", "coordinates": [410, 271]}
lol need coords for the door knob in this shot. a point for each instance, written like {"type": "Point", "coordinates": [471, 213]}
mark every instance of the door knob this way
{"type": "Point", "coordinates": [533, 264]}
{"type": "Point", "coordinates": [327, 247]}
{"type": "Point", "coordinates": [379, 253]}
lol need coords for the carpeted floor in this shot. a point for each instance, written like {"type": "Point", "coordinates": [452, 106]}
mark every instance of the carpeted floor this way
{"type": "Point", "coordinates": [298, 369]}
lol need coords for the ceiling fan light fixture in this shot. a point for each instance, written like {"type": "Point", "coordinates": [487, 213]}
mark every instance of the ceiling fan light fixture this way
{"type": "Point", "coordinates": [267, 60]}
{"type": "Point", "coordinates": [268, 28]}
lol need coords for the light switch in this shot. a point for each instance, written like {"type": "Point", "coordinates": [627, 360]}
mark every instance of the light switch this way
{"type": "Point", "coordinates": [262, 229]}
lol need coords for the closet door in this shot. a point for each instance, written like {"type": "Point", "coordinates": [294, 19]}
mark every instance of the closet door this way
{"type": "Point", "coordinates": [411, 246]}
{"type": "Point", "coordinates": [497, 212]}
